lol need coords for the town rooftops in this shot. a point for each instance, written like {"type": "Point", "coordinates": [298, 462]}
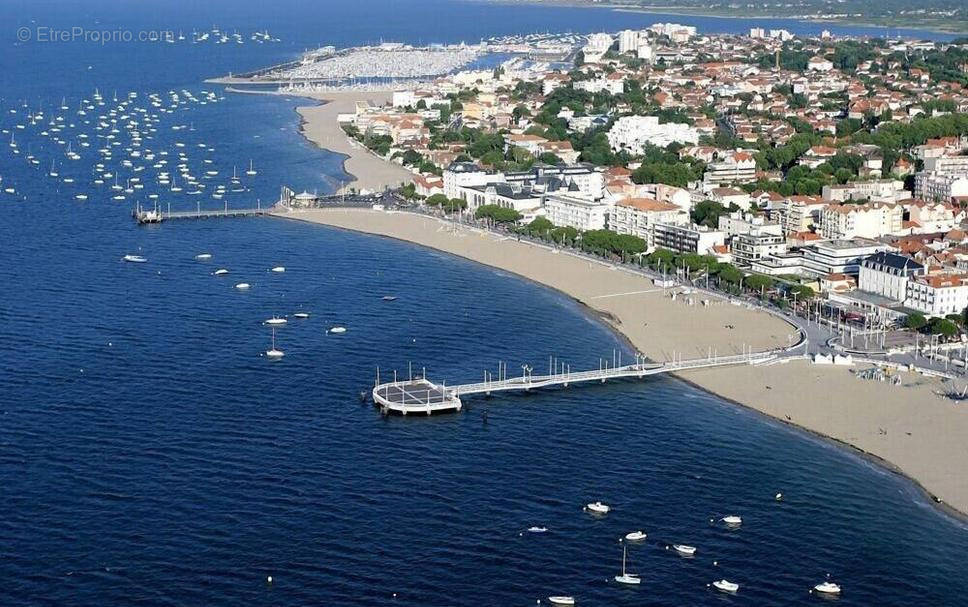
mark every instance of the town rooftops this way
{"type": "Point", "coordinates": [894, 261]}
{"type": "Point", "coordinates": [647, 204]}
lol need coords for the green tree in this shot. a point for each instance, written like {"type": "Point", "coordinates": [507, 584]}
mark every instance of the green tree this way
{"type": "Point", "coordinates": [497, 213]}
{"type": "Point", "coordinates": [540, 226]}
{"type": "Point", "coordinates": [454, 204]}
{"type": "Point", "coordinates": [437, 200]}
{"type": "Point", "coordinates": [916, 321]}
{"type": "Point", "coordinates": [707, 213]}
{"type": "Point", "coordinates": [944, 327]}
{"type": "Point", "coordinates": [758, 282]}
{"type": "Point", "coordinates": [730, 273]}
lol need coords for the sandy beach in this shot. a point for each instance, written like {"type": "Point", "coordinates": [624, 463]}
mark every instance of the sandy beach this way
{"type": "Point", "coordinates": [908, 428]}
{"type": "Point", "coordinates": [320, 127]}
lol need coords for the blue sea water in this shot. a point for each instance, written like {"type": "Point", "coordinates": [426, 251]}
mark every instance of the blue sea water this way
{"type": "Point", "coordinates": [149, 454]}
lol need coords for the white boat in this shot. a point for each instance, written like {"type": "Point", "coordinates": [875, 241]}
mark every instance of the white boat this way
{"type": "Point", "coordinates": [279, 269]}
{"type": "Point", "coordinates": [301, 315]}
{"type": "Point", "coordinates": [338, 329]}
{"type": "Point", "coordinates": [626, 577]}
{"type": "Point", "coordinates": [726, 586]}
{"type": "Point", "coordinates": [635, 536]}
{"type": "Point", "coordinates": [81, 197]}
{"type": "Point", "coordinates": [597, 508]}
{"type": "Point", "coordinates": [273, 352]}
{"type": "Point", "coordinates": [242, 285]}
{"type": "Point", "coordinates": [134, 259]}
{"type": "Point", "coordinates": [537, 530]}
{"type": "Point", "coordinates": [684, 549]}
{"type": "Point", "coordinates": [778, 497]}
{"type": "Point", "coordinates": [561, 600]}
{"type": "Point", "coordinates": [220, 272]}
{"type": "Point", "coordinates": [827, 588]}
{"type": "Point", "coordinates": [276, 321]}
{"type": "Point", "coordinates": [732, 519]}
{"type": "Point", "coordinates": [202, 256]}
{"type": "Point", "coordinates": [251, 170]}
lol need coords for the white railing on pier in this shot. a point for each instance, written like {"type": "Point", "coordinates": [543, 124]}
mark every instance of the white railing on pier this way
{"type": "Point", "coordinates": [529, 381]}
{"type": "Point", "coordinates": [432, 394]}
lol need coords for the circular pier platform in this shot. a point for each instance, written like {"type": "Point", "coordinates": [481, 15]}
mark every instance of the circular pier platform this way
{"type": "Point", "coordinates": [415, 396]}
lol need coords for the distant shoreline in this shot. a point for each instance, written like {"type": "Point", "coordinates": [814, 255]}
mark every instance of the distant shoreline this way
{"type": "Point", "coordinates": [686, 12]}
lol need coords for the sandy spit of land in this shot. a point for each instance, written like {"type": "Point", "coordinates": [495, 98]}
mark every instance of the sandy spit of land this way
{"type": "Point", "coordinates": [908, 427]}
{"type": "Point", "coordinates": [320, 127]}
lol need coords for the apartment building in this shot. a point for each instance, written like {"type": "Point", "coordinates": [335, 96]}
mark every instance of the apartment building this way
{"type": "Point", "coordinates": [888, 275]}
{"type": "Point", "coordinates": [633, 133]}
{"type": "Point", "coordinates": [872, 220]}
{"type": "Point", "coordinates": [939, 294]}
{"type": "Point", "coordinates": [637, 216]}
{"type": "Point", "coordinates": [686, 238]}
{"type": "Point", "coordinates": [579, 213]}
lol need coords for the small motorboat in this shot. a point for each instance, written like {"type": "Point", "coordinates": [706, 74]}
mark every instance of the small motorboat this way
{"type": "Point", "coordinates": [301, 315]}
{"type": "Point", "coordinates": [726, 586]}
{"type": "Point", "coordinates": [683, 549]}
{"type": "Point", "coordinates": [635, 536]}
{"type": "Point", "coordinates": [220, 272]}
{"type": "Point", "coordinates": [561, 600]}
{"type": "Point", "coordinates": [389, 298]}
{"type": "Point", "coordinates": [275, 321]}
{"type": "Point", "coordinates": [778, 497]}
{"type": "Point", "coordinates": [279, 269]}
{"type": "Point", "coordinates": [537, 530]}
{"type": "Point", "coordinates": [827, 588]}
{"type": "Point", "coordinates": [732, 519]}
{"type": "Point", "coordinates": [337, 329]}
{"type": "Point", "coordinates": [134, 259]}
{"type": "Point", "coordinates": [203, 256]}
{"type": "Point", "coordinates": [597, 508]}
{"type": "Point", "coordinates": [242, 285]}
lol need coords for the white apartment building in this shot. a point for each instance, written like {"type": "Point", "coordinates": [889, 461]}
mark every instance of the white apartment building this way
{"type": "Point", "coordinates": [738, 223]}
{"type": "Point", "coordinates": [632, 133]}
{"type": "Point", "coordinates": [753, 246]}
{"type": "Point", "coordinates": [404, 99]}
{"type": "Point", "coordinates": [888, 275]}
{"type": "Point", "coordinates": [579, 213]}
{"type": "Point", "coordinates": [940, 186]}
{"type": "Point", "coordinates": [613, 83]}
{"type": "Point", "coordinates": [938, 294]}
{"type": "Point", "coordinates": [686, 238]}
{"type": "Point", "coordinates": [800, 213]}
{"type": "Point", "coordinates": [676, 32]}
{"type": "Point", "coordinates": [464, 174]}
{"type": "Point", "coordinates": [637, 216]}
{"type": "Point", "coordinates": [947, 164]}
{"type": "Point", "coordinates": [732, 167]}
{"type": "Point", "coordinates": [645, 52]}
{"type": "Point", "coordinates": [821, 258]}
{"type": "Point", "coordinates": [872, 220]}
{"type": "Point", "coordinates": [933, 216]}
{"type": "Point", "coordinates": [879, 190]}
{"type": "Point", "coordinates": [628, 41]}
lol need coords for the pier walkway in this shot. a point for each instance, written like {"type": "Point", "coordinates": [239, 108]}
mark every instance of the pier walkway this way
{"type": "Point", "coordinates": [142, 215]}
{"type": "Point", "coordinates": [423, 396]}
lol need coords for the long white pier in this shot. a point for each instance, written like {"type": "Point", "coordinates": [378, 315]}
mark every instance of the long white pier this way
{"type": "Point", "coordinates": [423, 396]}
